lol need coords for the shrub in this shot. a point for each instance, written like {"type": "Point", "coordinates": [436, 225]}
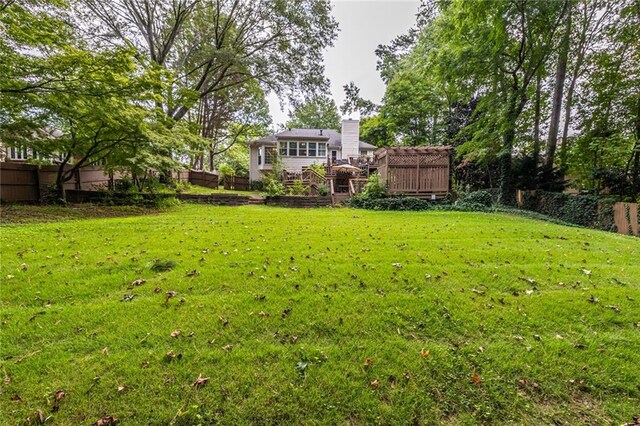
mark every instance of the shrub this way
{"type": "Point", "coordinates": [478, 197]}
{"type": "Point", "coordinates": [124, 185]}
{"type": "Point", "coordinates": [257, 185]}
{"type": "Point", "coordinates": [318, 168]}
{"type": "Point", "coordinates": [298, 188]}
{"type": "Point", "coordinates": [323, 190]}
{"type": "Point", "coordinates": [584, 210]}
{"type": "Point", "coordinates": [364, 201]}
{"type": "Point", "coordinates": [274, 188]}
{"type": "Point", "coordinates": [373, 188]}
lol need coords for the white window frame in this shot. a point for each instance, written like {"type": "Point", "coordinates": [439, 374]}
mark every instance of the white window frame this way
{"type": "Point", "coordinates": [322, 149]}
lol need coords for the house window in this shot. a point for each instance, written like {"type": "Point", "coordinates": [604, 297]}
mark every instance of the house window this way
{"type": "Point", "coordinates": [303, 149]}
{"type": "Point", "coordinates": [18, 153]}
{"type": "Point", "coordinates": [270, 154]}
{"type": "Point", "coordinates": [293, 149]}
{"type": "Point", "coordinates": [334, 155]}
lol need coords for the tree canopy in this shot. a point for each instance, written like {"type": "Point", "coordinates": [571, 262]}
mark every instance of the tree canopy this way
{"type": "Point", "coordinates": [544, 92]}
{"type": "Point", "coordinates": [318, 113]}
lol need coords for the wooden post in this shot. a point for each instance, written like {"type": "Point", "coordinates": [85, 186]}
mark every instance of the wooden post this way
{"type": "Point", "coordinates": [38, 189]}
{"type": "Point", "coordinates": [78, 184]}
{"type": "Point", "coordinates": [417, 174]}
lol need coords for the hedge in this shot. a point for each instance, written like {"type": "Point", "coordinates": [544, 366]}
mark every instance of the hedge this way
{"type": "Point", "coordinates": [584, 210]}
{"type": "Point", "coordinates": [587, 211]}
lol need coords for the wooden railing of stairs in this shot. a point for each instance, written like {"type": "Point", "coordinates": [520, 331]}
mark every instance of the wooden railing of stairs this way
{"type": "Point", "coordinates": [308, 176]}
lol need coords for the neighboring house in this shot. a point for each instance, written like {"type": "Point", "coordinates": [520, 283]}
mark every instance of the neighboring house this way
{"type": "Point", "coordinates": [298, 148]}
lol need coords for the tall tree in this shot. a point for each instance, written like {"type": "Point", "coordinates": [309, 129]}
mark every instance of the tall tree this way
{"type": "Point", "coordinates": [353, 102]}
{"type": "Point", "coordinates": [558, 92]}
{"type": "Point", "coordinates": [505, 43]}
{"type": "Point", "coordinates": [212, 45]}
{"type": "Point", "coordinates": [320, 112]}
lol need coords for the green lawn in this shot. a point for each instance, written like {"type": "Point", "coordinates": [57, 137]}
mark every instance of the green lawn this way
{"type": "Point", "coordinates": [325, 316]}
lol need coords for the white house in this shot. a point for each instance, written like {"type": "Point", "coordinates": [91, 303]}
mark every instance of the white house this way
{"type": "Point", "coordinates": [298, 148]}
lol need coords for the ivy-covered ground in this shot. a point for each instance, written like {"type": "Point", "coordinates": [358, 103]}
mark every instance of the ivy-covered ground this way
{"type": "Point", "coordinates": [325, 316]}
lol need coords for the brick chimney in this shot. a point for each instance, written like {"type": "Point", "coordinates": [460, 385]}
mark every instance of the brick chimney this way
{"type": "Point", "coordinates": [350, 138]}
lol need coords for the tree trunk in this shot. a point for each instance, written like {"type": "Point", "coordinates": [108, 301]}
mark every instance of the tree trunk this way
{"type": "Point", "coordinates": [536, 125]}
{"type": "Point", "coordinates": [507, 189]}
{"type": "Point", "coordinates": [635, 170]}
{"type": "Point", "coordinates": [60, 180]}
{"type": "Point", "coordinates": [564, 147]}
{"type": "Point", "coordinates": [556, 106]}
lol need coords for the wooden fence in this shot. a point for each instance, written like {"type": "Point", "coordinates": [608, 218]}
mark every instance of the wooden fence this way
{"type": "Point", "coordinates": [203, 178]}
{"type": "Point", "coordinates": [20, 182]}
{"type": "Point", "coordinates": [625, 216]}
{"type": "Point", "coordinates": [238, 183]}
{"type": "Point", "coordinates": [24, 183]}
{"type": "Point", "coordinates": [416, 171]}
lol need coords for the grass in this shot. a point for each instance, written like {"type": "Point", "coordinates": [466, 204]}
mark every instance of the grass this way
{"type": "Point", "coordinates": [202, 190]}
{"type": "Point", "coordinates": [319, 317]}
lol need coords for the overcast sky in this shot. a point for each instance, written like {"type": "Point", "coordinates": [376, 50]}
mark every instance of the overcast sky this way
{"type": "Point", "coordinates": [364, 24]}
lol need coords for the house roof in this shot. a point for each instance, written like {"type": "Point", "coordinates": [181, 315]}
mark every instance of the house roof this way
{"type": "Point", "coordinates": [332, 137]}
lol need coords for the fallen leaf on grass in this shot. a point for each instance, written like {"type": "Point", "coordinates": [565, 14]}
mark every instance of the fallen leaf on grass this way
{"type": "Point", "coordinates": [527, 383]}
{"type": "Point", "coordinates": [368, 362]}
{"type": "Point", "coordinates": [37, 314]}
{"type": "Point", "coordinates": [170, 294]}
{"type": "Point", "coordinates": [586, 272]}
{"type": "Point", "coordinates": [121, 388]}
{"type": "Point", "coordinates": [375, 384]}
{"type": "Point", "coordinates": [193, 273]}
{"type": "Point", "coordinates": [137, 282]}
{"type": "Point", "coordinates": [479, 292]}
{"type": "Point", "coordinates": [108, 420]}
{"type": "Point", "coordinates": [424, 353]}
{"type": "Point", "coordinates": [227, 348]}
{"type": "Point", "coordinates": [636, 422]}
{"type": "Point", "coordinates": [614, 307]}
{"type": "Point", "coordinates": [200, 381]}
{"type": "Point", "coordinates": [56, 402]}
{"type": "Point", "coordinates": [475, 378]}
{"type": "Point", "coordinates": [176, 333]}
{"type": "Point", "coordinates": [105, 351]}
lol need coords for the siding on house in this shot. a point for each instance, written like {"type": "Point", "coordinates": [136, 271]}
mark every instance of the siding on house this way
{"type": "Point", "coordinates": [254, 171]}
{"type": "Point", "coordinates": [297, 163]}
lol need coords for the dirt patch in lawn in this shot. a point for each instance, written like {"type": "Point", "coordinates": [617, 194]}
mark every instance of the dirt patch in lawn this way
{"type": "Point", "coordinates": [21, 214]}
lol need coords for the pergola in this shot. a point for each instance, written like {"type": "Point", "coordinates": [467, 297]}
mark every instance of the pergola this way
{"type": "Point", "coordinates": [417, 171]}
